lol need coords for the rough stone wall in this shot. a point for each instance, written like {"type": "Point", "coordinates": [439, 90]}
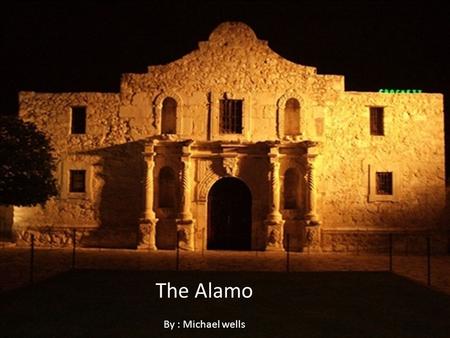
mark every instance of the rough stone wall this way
{"type": "Point", "coordinates": [51, 113]}
{"type": "Point", "coordinates": [112, 163]}
{"type": "Point", "coordinates": [404, 242]}
{"type": "Point", "coordinates": [233, 63]}
{"type": "Point", "coordinates": [412, 147]}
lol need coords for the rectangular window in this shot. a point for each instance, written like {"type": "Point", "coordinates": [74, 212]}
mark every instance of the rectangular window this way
{"type": "Point", "coordinates": [376, 120]}
{"type": "Point", "coordinates": [231, 116]}
{"type": "Point", "coordinates": [384, 183]}
{"type": "Point", "coordinates": [78, 120]}
{"type": "Point", "coordinates": [77, 181]}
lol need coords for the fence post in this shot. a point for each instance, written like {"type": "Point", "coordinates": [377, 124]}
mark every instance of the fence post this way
{"type": "Point", "coordinates": [203, 242]}
{"type": "Point", "coordinates": [407, 244]}
{"type": "Point", "coordinates": [287, 253]}
{"type": "Point", "coordinates": [74, 244]}
{"type": "Point", "coordinates": [357, 242]}
{"type": "Point", "coordinates": [428, 261]}
{"type": "Point", "coordinates": [177, 258]}
{"type": "Point", "coordinates": [390, 252]}
{"type": "Point", "coordinates": [32, 259]}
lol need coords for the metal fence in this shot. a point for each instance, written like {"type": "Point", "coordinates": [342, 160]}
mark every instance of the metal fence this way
{"type": "Point", "coordinates": [396, 246]}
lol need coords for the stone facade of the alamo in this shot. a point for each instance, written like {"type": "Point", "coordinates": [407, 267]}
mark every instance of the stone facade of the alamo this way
{"type": "Point", "coordinates": [234, 147]}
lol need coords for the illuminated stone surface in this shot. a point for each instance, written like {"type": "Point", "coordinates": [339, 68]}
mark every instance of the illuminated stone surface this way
{"type": "Point", "coordinates": [333, 154]}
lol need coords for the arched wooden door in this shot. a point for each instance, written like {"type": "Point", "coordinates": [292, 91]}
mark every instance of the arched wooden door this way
{"type": "Point", "coordinates": [229, 215]}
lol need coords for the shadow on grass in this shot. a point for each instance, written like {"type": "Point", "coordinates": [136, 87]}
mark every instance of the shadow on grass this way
{"type": "Point", "coordinates": [92, 303]}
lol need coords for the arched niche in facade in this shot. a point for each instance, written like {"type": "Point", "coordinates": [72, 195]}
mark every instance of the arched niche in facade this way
{"type": "Point", "coordinates": [292, 117]}
{"type": "Point", "coordinates": [289, 116]}
{"type": "Point", "coordinates": [169, 116]}
{"type": "Point", "coordinates": [167, 187]}
{"type": "Point", "coordinates": [168, 113]}
{"type": "Point", "coordinates": [290, 189]}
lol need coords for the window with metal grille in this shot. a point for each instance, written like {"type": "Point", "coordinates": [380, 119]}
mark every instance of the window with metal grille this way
{"type": "Point", "coordinates": [384, 183]}
{"type": "Point", "coordinates": [78, 120]}
{"type": "Point", "coordinates": [77, 181]}
{"type": "Point", "coordinates": [231, 116]}
{"type": "Point", "coordinates": [376, 120]}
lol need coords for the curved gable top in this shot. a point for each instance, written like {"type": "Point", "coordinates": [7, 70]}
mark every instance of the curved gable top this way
{"type": "Point", "coordinates": [233, 34]}
{"type": "Point", "coordinates": [233, 58]}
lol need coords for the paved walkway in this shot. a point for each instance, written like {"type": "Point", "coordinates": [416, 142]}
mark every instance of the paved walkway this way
{"type": "Point", "coordinates": [15, 263]}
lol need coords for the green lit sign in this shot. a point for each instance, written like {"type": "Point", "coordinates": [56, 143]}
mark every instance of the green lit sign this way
{"type": "Point", "coordinates": [395, 91]}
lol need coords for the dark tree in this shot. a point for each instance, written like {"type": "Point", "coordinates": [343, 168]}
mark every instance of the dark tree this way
{"type": "Point", "coordinates": [26, 164]}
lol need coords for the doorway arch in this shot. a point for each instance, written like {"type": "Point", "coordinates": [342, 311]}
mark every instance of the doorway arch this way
{"type": "Point", "coordinates": [229, 215]}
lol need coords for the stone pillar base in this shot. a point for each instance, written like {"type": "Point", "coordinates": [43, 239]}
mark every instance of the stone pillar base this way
{"type": "Point", "coordinates": [185, 230]}
{"type": "Point", "coordinates": [147, 234]}
{"type": "Point", "coordinates": [275, 233]}
{"type": "Point", "coordinates": [312, 238]}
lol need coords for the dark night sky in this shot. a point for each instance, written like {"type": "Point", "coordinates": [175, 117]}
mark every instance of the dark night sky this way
{"type": "Point", "coordinates": [85, 47]}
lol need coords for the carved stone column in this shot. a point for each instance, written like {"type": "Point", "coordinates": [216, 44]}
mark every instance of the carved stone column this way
{"type": "Point", "coordinates": [312, 229]}
{"type": "Point", "coordinates": [274, 221]}
{"type": "Point", "coordinates": [147, 225]}
{"type": "Point", "coordinates": [185, 223]}
{"type": "Point", "coordinates": [310, 214]}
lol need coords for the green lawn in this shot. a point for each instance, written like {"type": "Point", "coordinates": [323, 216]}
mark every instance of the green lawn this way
{"type": "Point", "coordinates": [88, 303]}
